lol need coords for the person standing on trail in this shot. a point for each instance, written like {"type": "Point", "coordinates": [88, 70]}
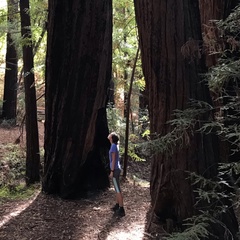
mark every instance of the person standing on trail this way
{"type": "Point", "coordinates": [115, 173]}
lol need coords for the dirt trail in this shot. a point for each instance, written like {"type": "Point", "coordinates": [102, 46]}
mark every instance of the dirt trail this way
{"type": "Point", "coordinates": [47, 218]}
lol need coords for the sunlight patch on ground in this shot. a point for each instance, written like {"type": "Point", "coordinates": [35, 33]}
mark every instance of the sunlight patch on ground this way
{"type": "Point", "coordinates": [133, 231]}
{"type": "Point", "coordinates": [16, 211]}
{"type": "Point", "coordinates": [136, 181]}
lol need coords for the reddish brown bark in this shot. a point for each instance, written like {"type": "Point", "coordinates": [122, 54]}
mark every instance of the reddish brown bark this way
{"type": "Point", "coordinates": [170, 34]}
{"type": "Point", "coordinates": [210, 11]}
{"type": "Point", "coordinates": [214, 45]}
{"type": "Point", "coordinates": [77, 77]}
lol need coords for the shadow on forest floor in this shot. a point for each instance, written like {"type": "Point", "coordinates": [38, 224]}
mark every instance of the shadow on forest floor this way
{"type": "Point", "coordinates": [48, 218]}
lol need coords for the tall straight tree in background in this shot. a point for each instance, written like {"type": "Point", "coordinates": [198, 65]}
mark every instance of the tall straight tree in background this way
{"type": "Point", "coordinates": [78, 73]}
{"type": "Point", "coordinates": [32, 140]}
{"type": "Point", "coordinates": [11, 71]}
{"type": "Point", "coordinates": [170, 34]}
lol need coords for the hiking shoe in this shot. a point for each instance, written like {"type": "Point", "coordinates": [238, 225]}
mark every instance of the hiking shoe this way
{"type": "Point", "coordinates": [120, 212]}
{"type": "Point", "coordinates": [115, 208]}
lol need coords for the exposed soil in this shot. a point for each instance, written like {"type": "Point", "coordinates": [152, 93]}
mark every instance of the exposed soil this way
{"type": "Point", "coordinates": [48, 217]}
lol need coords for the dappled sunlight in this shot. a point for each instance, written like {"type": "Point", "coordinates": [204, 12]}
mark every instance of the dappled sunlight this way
{"type": "Point", "coordinates": [50, 217]}
{"type": "Point", "coordinates": [132, 231]}
{"type": "Point", "coordinates": [17, 210]}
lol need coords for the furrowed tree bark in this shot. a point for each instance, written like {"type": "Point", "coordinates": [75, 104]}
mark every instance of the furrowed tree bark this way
{"type": "Point", "coordinates": [170, 38]}
{"type": "Point", "coordinates": [11, 71]}
{"type": "Point", "coordinates": [32, 141]}
{"type": "Point", "coordinates": [216, 9]}
{"type": "Point", "coordinates": [210, 11]}
{"type": "Point", "coordinates": [78, 73]}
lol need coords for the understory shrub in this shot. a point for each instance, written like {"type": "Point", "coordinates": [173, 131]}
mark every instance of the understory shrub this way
{"type": "Point", "coordinates": [12, 166]}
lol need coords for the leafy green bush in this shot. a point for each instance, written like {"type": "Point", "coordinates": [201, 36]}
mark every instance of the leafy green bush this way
{"type": "Point", "coordinates": [20, 192]}
{"type": "Point", "coordinates": [12, 166]}
{"type": "Point", "coordinates": [115, 122]}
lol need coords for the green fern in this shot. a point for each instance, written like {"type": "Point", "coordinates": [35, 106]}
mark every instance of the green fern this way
{"type": "Point", "coordinates": [197, 228]}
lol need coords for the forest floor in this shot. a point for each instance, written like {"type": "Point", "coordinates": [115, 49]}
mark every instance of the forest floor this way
{"type": "Point", "coordinates": [47, 217]}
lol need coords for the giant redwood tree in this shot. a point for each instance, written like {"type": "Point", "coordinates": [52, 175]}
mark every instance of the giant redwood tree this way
{"type": "Point", "coordinates": [210, 11]}
{"type": "Point", "coordinates": [78, 73]}
{"type": "Point", "coordinates": [170, 37]}
{"type": "Point", "coordinates": [214, 44]}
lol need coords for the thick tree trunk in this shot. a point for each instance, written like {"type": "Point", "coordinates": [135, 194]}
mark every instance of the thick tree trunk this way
{"type": "Point", "coordinates": [229, 6]}
{"type": "Point", "coordinates": [216, 9]}
{"type": "Point", "coordinates": [213, 43]}
{"type": "Point", "coordinates": [211, 10]}
{"type": "Point", "coordinates": [77, 78]}
{"type": "Point", "coordinates": [170, 34]}
{"type": "Point", "coordinates": [33, 157]}
{"type": "Point", "coordinates": [229, 93]}
{"type": "Point", "coordinates": [11, 72]}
